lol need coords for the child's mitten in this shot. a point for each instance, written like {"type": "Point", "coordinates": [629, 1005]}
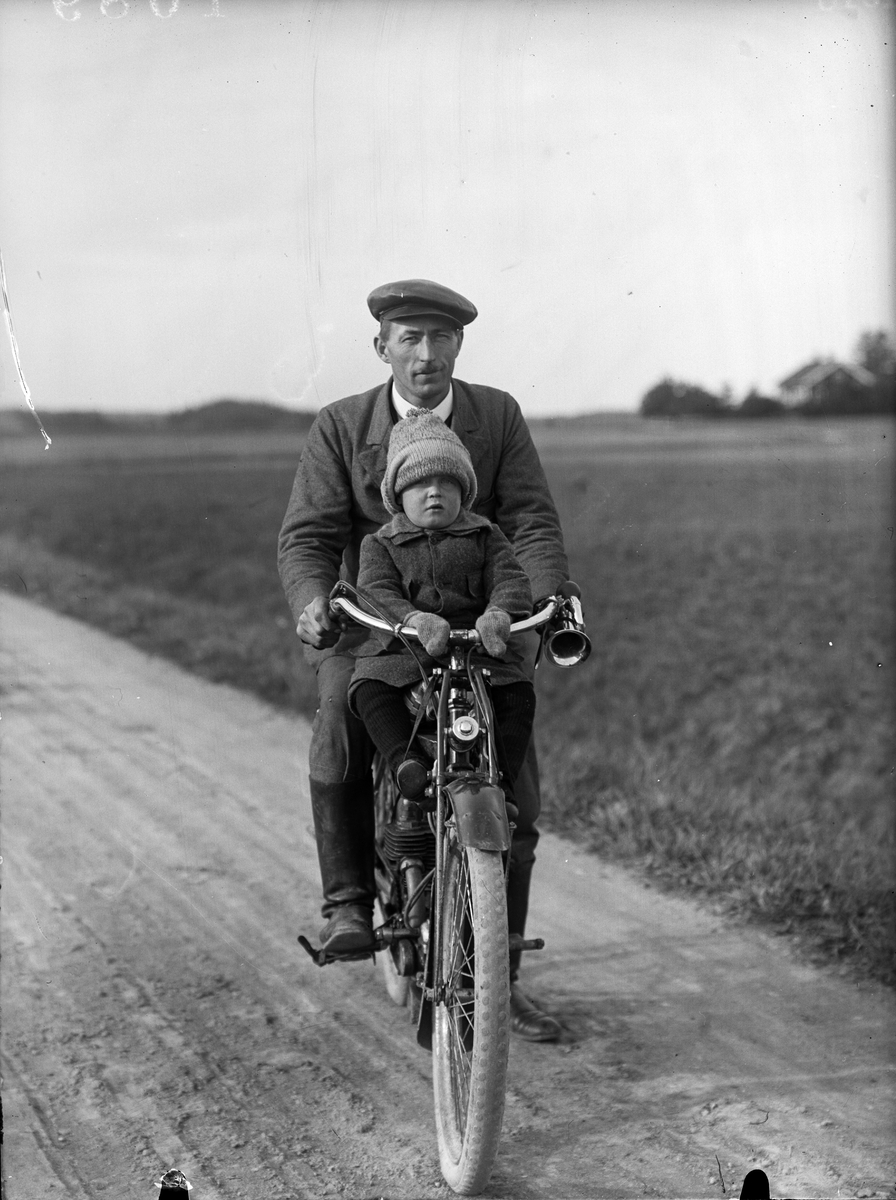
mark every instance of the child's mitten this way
{"type": "Point", "coordinates": [433, 631]}
{"type": "Point", "coordinates": [494, 629]}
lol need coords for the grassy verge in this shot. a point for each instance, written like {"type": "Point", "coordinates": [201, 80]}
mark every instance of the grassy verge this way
{"type": "Point", "coordinates": [731, 733]}
{"type": "Point", "coordinates": [222, 643]}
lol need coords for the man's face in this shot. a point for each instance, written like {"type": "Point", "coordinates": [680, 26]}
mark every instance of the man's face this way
{"type": "Point", "coordinates": [421, 352]}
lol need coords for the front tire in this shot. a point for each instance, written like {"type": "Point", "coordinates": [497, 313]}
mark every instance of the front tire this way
{"type": "Point", "coordinates": [471, 1020]}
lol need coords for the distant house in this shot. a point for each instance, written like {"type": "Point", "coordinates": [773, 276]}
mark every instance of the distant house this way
{"type": "Point", "coordinates": [823, 381]}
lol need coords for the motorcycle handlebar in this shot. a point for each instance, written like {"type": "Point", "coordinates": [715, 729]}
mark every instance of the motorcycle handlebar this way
{"type": "Point", "coordinates": [341, 605]}
{"type": "Point", "coordinates": [565, 641]}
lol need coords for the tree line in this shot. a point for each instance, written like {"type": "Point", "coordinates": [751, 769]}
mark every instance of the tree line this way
{"type": "Point", "coordinates": [874, 352]}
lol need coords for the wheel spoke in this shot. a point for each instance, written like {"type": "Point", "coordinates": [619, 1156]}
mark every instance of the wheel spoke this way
{"type": "Point", "coordinates": [459, 982]}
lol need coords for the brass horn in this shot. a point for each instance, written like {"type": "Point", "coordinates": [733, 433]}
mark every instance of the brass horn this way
{"type": "Point", "coordinates": [567, 643]}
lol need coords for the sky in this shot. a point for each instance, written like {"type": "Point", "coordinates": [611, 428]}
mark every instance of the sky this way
{"type": "Point", "coordinates": [198, 195]}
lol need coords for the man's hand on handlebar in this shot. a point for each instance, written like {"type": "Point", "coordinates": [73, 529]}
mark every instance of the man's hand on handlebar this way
{"type": "Point", "coordinates": [566, 591]}
{"type": "Point", "coordinates": [316, 627]}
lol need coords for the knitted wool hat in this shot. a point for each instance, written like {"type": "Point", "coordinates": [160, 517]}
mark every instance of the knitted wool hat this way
{"type": "Point", "coordinates": [422, 444]}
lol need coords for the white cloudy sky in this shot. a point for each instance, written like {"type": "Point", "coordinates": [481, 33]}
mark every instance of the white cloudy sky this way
{"type": "Point", "coordinates": [197, 205]}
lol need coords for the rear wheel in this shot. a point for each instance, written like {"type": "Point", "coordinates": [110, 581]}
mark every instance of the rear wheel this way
{"type": "Point", "coordinates": [397, 985]}
{"type": "Point", "coordinates": [471, 1018]}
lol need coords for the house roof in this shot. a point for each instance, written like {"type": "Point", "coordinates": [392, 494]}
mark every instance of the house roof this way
{"type": "Point", "coordinates": [798, 377]}
{"type": "Point", "coordinates": [820, 369]}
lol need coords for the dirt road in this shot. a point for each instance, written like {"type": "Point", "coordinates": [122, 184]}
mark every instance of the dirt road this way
{"type": "Point", "coordinates": [157, 1012]}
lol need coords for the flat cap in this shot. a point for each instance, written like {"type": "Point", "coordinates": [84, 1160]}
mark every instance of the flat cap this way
{"type": "Point", "coordinates": [419, 298]}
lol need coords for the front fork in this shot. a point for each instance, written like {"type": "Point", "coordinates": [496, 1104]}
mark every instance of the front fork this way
{"type": "Point", "coordinates": [453, 751]}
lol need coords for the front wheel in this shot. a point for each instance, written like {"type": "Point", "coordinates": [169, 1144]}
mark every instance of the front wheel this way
{"type": "Point", "coordinates": [471, 1020]}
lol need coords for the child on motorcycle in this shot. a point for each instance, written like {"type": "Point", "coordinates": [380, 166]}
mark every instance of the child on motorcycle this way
{"type": "Point", "coordinates": [434, 566]}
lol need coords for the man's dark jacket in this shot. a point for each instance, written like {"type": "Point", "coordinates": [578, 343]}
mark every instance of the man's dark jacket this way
{"type": "Point", "coordinates": [336, 497]}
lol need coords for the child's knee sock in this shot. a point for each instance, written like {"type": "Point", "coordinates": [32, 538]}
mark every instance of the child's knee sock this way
{"type": "Point", "coordinates": [382, 709]}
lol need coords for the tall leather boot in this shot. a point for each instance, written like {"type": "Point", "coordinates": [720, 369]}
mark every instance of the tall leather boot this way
{"type": "Point", "coordinates": [518, 879]}
{"type": "Point", "coordinates": [344, 828]}
{"type": "Point", "coordinates": [526, 1018]}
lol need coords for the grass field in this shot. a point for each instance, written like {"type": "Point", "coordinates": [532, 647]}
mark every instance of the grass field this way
{"type": "Point", "coordinates": [732, 732]}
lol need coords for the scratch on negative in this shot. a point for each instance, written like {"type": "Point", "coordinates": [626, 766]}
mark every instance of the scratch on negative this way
{"type": "Point", "coordinates": [130, 876]}
{"type": "Point", "coordinates": [15, 352]}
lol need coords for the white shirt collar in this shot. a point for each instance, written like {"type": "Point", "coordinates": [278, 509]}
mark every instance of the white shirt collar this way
{"type": "Point", "coordinates": [402, 407]}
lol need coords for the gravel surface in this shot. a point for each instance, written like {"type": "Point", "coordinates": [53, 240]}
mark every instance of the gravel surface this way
{"type": "Point", "coordinates": [157, 1012]}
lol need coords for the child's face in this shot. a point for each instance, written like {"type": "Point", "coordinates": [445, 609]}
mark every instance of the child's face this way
{"type": "Point", "coordinates": [433, 502]}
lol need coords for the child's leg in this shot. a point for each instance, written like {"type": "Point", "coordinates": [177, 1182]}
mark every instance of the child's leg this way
{"type": "Point", "coordinates": [514, 707]}
{"type": "Point", "coordinates": [382, 709]}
